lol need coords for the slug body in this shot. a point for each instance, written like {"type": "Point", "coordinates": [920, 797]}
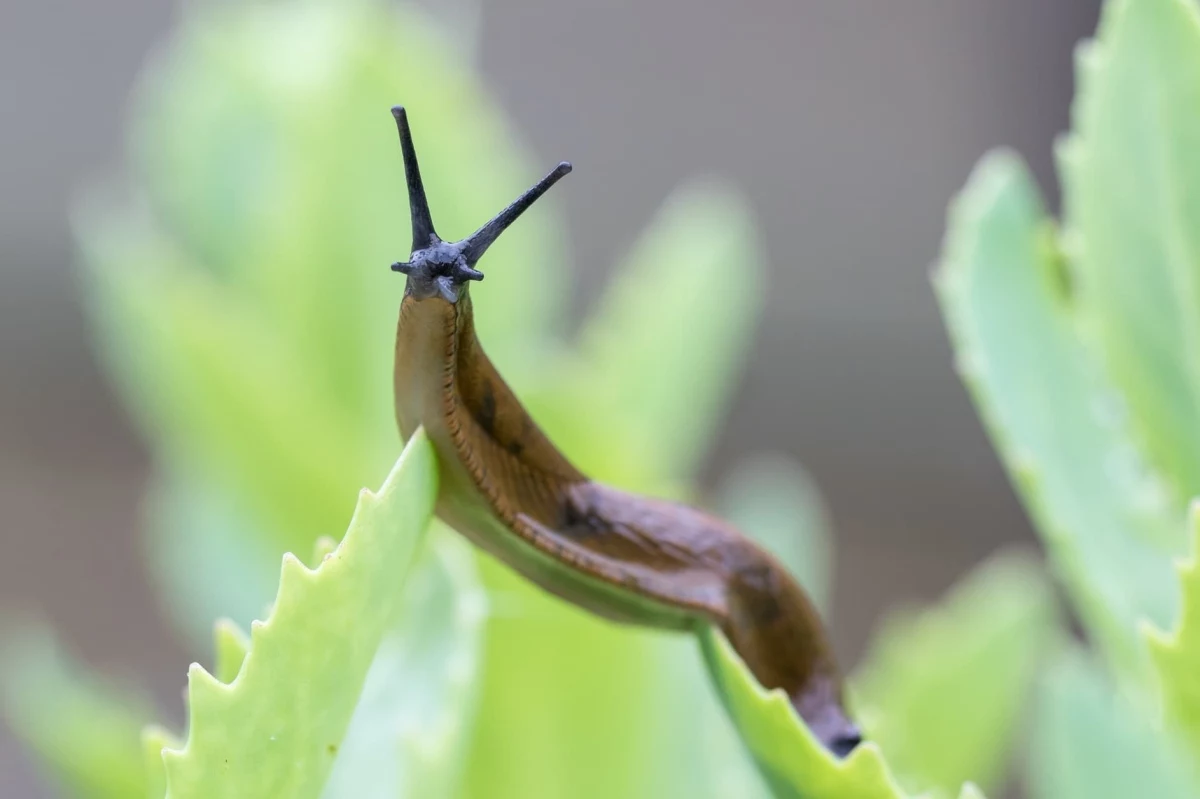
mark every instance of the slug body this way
{"type": "Point", "coordinates": [628, 558]}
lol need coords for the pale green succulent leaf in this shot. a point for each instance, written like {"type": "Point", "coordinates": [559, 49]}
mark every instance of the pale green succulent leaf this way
{"type": "Point", "coordinates": [1090, 742]}
{"type": "Point", "coordinates": [83, 732]}
{"type": "Point", "coordinates": [1131, 189]}
{"type": "Point", "coordinates": [230, 644]}
{"type": "Point", "coordinates": [222, 393]}
{"type": "Point", "coordinates": [1176, 655]}
{"type": "Point", "coordinates": [942, 690]}
{"type": "Point", "coordinates": [1109, 522]}
{"type": "Point", "coordinates": [409, 734]}
{"type": "Point", "coordinates": [154, 740]}
{"type": "Point", "coordinates": [276, 729]}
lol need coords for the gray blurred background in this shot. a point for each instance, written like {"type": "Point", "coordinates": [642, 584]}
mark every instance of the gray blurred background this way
{"type": "Point", "coordinates": [849, 124]}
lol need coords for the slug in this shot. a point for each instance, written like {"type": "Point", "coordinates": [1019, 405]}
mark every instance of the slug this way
{"type": "Point", "coordinates": [507, 489]}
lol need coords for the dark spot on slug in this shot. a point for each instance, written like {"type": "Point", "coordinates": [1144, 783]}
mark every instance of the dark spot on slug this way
{"type": "Point", "coordinates": [759, 597]}
{"type": "Point", "coordinates": [580, 522]}
{"type": "Point", "coordinates": [487, 410]}
{"type": "Point", "coordinates": [515, 447]}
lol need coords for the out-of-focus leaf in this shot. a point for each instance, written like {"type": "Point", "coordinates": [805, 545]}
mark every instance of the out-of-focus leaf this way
{"type": "Point", "coordinates": [222, 393]}
{"type": "Point", "coordinates": [1107, 520]}
{"type": "Point", "coordinates": [154, 740]}
{"type": "Point", "coordinates": [772, 499]}
{"type": "Point", "coordinates": [275, 730]}
{"type": "Point", "coordinates": [1089, 743]}
{"type": "Point", "coordinates": [1176, 655]}
{"type": "Point", "coordinates": [84, 733]}
{"type": "Point", "coordinates": [409, 733]}
{"type": "Point", "coordinates": [666, 342]}
{"type": "Point", "coordinates": [791, 760]}
{"type": "Point", "coordinates": [207, 561]}
{"type": "Point", "coordinates": [568, 701]}
{"type": "Point", "coordinates": [701, 753]}
{"type": "Point", "coordinates": [942, 691]}
{"type": "Point", "coordinates": [1131, 189]}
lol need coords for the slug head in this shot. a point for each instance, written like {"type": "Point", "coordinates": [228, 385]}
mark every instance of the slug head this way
{"type": "Point", "coordinates": [439, 268]}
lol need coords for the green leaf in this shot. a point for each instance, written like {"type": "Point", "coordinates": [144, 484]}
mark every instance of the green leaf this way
{"type": "Point", "coordinates": [207, 562]}
{"type": "Point", "coordinates": [1108, 522]}
{"type": "Point", "coordinates": [83, 732]}
{"type": "Point", "coordinates": [154, 740]}
{"type": "Point", "coordinates": [569, 705]}
{"type": "Point", "coordinates": [791, 760]}
{"type": "Point", "coordinates": [409, 733]}
{"type": "Point", "coordinates": [942, 691]}
{"type": "Point", "coordinates": [275, 730]}
{"type": "Point", "coordinates": [230, 645]}
{"type": "Point", "coordinates": [772, 499]}
{"type": "Point", "coordinates": [1176, 655]}
{"type": "Point", "coordinates": [667, 340]}
{"type": "Point", "coordinates": [1089, 742]}
{"type": "Point", "coordinates": [1131, 188]}
{"type": "Point", "coordinates": [222, 392]}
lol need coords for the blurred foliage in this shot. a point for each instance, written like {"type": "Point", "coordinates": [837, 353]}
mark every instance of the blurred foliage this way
{"type": "Point", "coordinates": [1077, 344]}
{"type": "Point", "coordinates": [85, 730]}
{"type": "Point", "coordinates": [1089, 741]}
{"type": "Point", "coordinates": [1177, 655]}
{"type": "Point", "coordinates": [921, 684]}
{"type": "Point", "coordinates": [242, 305]}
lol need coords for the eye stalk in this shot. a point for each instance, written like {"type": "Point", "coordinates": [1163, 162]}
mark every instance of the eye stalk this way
{"type": "Point", "coordinates": [439, 268]}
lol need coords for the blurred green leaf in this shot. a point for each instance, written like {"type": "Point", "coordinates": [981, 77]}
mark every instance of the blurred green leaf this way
{"type": "Point", "coordinates": [1107, 521]}
{"type": "Point", "coordinates": [569, 706]}
{"type": "Point", "coordinates": [791, 760]}
{"type": "Point", "coordinates": [1177, 655]}
{"type": "Point", "coordinates": [409, 734]}
{"type": "Point", "coordinates": [942, 691]}
{"type": "Point", "coordinates": [154, 740]}
{"type": "Point", "coordinates": [221, 391]}
{"type": "Point", "coordinates": [207, 562]}
{"type": "Point", "coordinates": [1131, 188]}
{"type": "Point", "coordinates": [772, 499]}
{"type": "Point", "coordinates": [275, 730]}
{"type": "Point", "coordinates": [666, 342]}
{"type": "Point", "coordinates": [84, 733]}
{"type": "Point", "coordinates": [1088, 742]}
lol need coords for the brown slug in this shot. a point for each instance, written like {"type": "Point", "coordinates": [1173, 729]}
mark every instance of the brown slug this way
{"type": "Point", "coordinates": [511, 492]}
